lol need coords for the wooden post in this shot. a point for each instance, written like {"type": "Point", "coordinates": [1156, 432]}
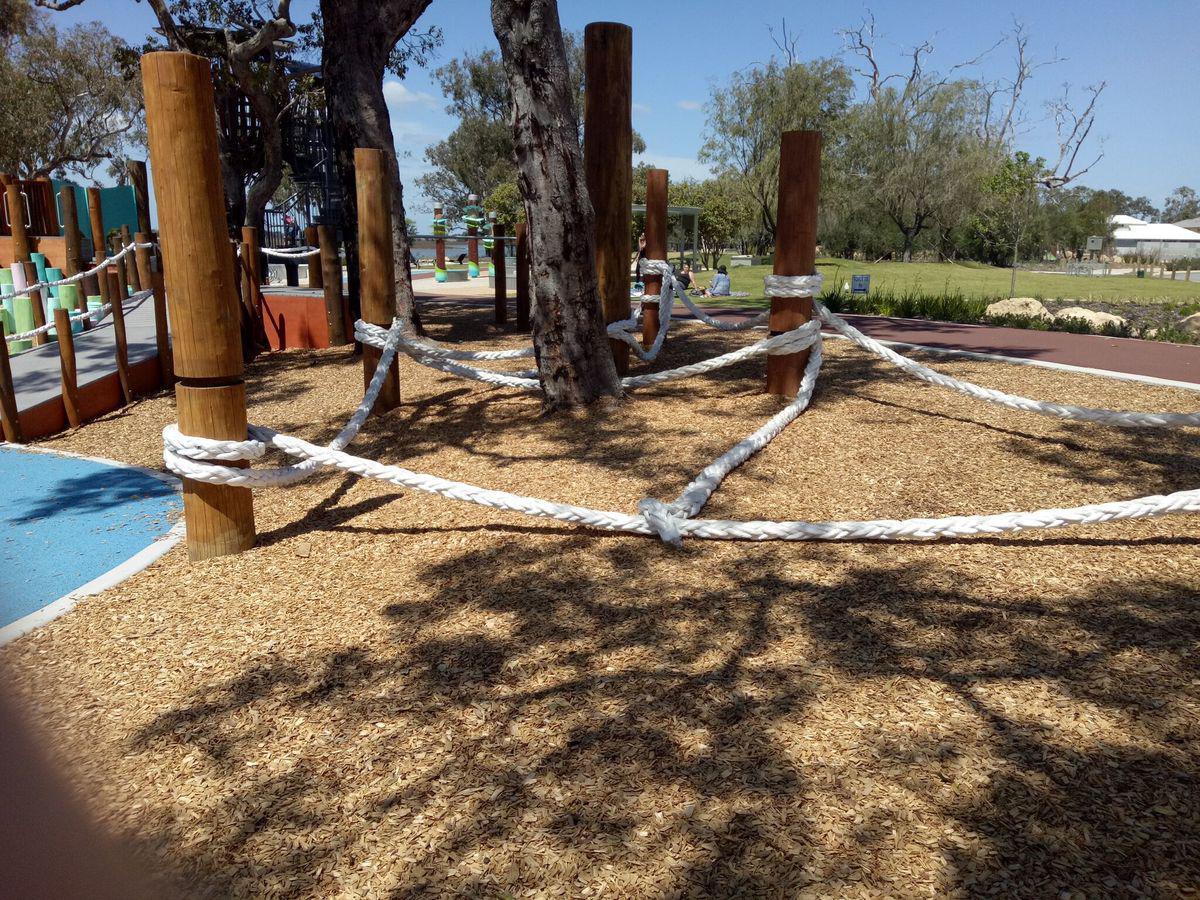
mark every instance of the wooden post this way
{"type": "Point", "coordinates": [72, 238]}
{"type": "Point", "coordinates": [141, 195]}
{"type": "Point", "coordinates": [96, 216]}
{"type": "Point", "coordinates": [376, 266]}
{"type": "Point", "coordinates": [119, 285]}
{"type": "Point", "coordinates": [500, 276]}
{"type": "Point", "coordinates": [656, 248]}
{"type": "Point", "coordinates": [10, 419]}
{"type": "Point", "coordinates": [148, 276]}
{"type": "Point", "coordinates": [472, 247]}
{"type": "Point", "coordinates": [331, 278]}
{"type": "Point", "coordinates": [66, 365]}
{"type": "Point", "coordinates": [522, 277]}
{"type": "Point", "coordinates": [205, 318]}
{"type": "Point", "coordinates": [313, 238]}
{"type": "Point", "coordinates": [439, 246]}
{"type": "Point", "coordinates": [608, 161]}
{"type": "Point", "coordinates": [121, 338]}
{"type": "Point", "coordinates": [131, 268]}
{"type": "Point", "coordinates": [795, 249]}
{"type": "Point", "coordinates": [15, 203]}
{"type": "Point", "coordinates": [35, 298]}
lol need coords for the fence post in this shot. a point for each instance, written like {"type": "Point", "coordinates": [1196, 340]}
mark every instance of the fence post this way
{"type": "Point", "coordinates": [499, 274]}
{"type": "Point", "coordinates": [141, 195]}
{"type": "Point", "coordinates": [72, 238]}
{"type": "Point", "coordinates": [331, 279]}
{"type": "Point", "coordinates": [656, 248]}
{"type": "Point", "coordinates": [795, 249]}
{"type": "Point", "coordinates": [121, 284]}
{"type": "Point", "coordinates": [376, 266]}
{"type": "Point", "coordinates": [131, 268]}
{"type": "Point", "coordinates": [210, 394]}
{"type": "Point", "coordinates": [66, 365]}
{"type": "Point", "coordinates": [16, 217]}
{"type": "Point", "coordinates": [148, 276]}
{"type": "Point", "coordinates": [608, 161]}
{"type": "Point", "coordinates": [10, 419]}
{"type": "Point", "coordinates": [439, 245]}
{"type": "Point", "coordinates": [522, 277]}
{"type": "Point", "coordinates": [120, 337]}
{"type": "Point", "coordinates": [315, 277]}
{"type": "Point", "coordinates": [29, 275]}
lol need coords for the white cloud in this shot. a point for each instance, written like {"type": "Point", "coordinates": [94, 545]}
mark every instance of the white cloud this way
{"type": "Point", "coordinates": [688, 104]}
{"type": "Point", "coordinates": [397, 94]}
{"type": "Point", "coordinates": [678, 166]}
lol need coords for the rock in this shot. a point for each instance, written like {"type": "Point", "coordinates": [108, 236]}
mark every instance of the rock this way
{"type": "Point", "coordinates": [1096, 319]}
{"type": "Point", "coordinates": [1019, 306]}
{"type": "Point", "coordinates": [1191, 324]}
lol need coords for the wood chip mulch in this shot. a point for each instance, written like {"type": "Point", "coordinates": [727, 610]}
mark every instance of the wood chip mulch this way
{"type": "Point", "coordinates": [396, 695]}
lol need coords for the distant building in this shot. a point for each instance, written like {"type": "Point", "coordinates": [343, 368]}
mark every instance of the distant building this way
{"type": "Point", "coordinates": [1159, 240]}
{"type": "Point", "coordinates": [1190, 224]}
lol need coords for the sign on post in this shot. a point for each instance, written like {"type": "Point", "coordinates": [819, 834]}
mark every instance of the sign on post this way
{"type": "Point", "coordinates": [1095, 242]}
{"type": "Point", "coordinates": [860, 284]}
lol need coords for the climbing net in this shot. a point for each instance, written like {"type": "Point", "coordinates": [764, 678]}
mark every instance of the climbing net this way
{"type": "Point", "coordinates": [202, 459]}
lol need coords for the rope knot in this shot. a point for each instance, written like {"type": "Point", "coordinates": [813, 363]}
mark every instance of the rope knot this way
{"type": "Point", "coordinates": [663, 519]}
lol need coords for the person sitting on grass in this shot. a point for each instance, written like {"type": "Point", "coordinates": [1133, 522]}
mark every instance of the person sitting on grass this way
{"type": "Point", "coordinates": [720, 286]}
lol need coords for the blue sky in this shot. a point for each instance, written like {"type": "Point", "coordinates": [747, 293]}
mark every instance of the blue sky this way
{"type": "Point", "coordinates": [1147, 52]}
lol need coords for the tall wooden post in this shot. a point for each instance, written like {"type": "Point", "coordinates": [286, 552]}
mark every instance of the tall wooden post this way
{"type": "Point", "coordinates": [66, 365]}
{"type": "Point", "coordinates": [72, 238]}
{"type": "Point", "coordinates": [331, 279]}
{"type": "Point", "coordinates": [522, 264]}
{"type": "Point", "coordinates": [120, 336]}
{"type": "Point", "coordinates": [135, 277]}
{"type": "Point", "coordinates": [315, 276]}
{"type": "Point", "coordinates": [29, 272]}
{"type": "Point", "coordinates": [439, 244]}
{"type": "Point", "coordinates": [376, 266]}
{"type": "Point", "coordinates": [141, 195]}
{"type": "Point", "coordinates": [96, 216]}
{"type": "Point", "coordinates": [210, 394]}
{"type": "Point", "coordinates": [153, 279]}
{"type": "Point", "coordinates": [10, 419]}
{"type": "Point", "coordinates": [15, 203]}
{"type": "Point", "coordinates": [119, 286]}
{"type": "Point", "coordinates": [608, 161]}
{"type": "Point", "coordinates": [795, 249]}
{"type": "Point", "coordinates": [499, 275]}
{"type": "Point", "coordinates": [656, 248]}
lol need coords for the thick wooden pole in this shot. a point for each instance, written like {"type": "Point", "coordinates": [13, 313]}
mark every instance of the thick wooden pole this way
{"type": "Point", "coordinates": [331, 280]}
{"type": "Point", "coordinates": [656, 248]}
{"type": "Point", "coordinates": [141, 195]}
{"type": "Point", "coordinates": [66, 365]}
{"type": "Point", "coordinates": [72, 237]}
{"type": "Point", "coordinates": [96, 216]}
{"type": "Point", "coordinates": [608, 161]}
{"type": "Point", "coordinates": [439, 245]}
{"type": "Point", "coordinates": [209, 393]}
{"type": "Point", "coordinates": [313, 239]}
{"type": "Point", "coordinates": [795, 249]}
{"type": "Point", "coordinates": [522, 264]}
{"type": "Point", "coordinates": [121, 283]}
{"type": "Point", "coordinates": [15, 203]}
{"type": "Point", "coordinates": [10, 419]}
{"type": "Point", "coordinates": [131, 269]}
{"type": "Point", "coordinates": [376, 265]}
{"type": "Point", "coordinates": [121, 338]}
{"type": "Point", "coordinates": [500, 276]}
{"type": "Point", "coordinates": [29, 270]}
{"type": "Point", "coordinates": [147, 274]}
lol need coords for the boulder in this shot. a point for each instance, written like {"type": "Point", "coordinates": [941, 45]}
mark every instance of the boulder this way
{"type": "Point", "coordinates": [1191, 324]}
{"type": "Point", "coordinates": [1019, 306]}
{"type": "Point", "coordinates": [1094, 318]}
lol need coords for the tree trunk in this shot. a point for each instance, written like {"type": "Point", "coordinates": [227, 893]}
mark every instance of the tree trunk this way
{"type": "Point", "coordinates": [569, 337]}
{"type": "Point", "coordinates": [359, 36]}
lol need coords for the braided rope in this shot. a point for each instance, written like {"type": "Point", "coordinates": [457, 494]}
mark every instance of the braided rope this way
{"type": "Point", "coordinates": [290, 252]}
{"type": "Point", "coordinates": [130, 302]}
{"type": "Point", "coordinates": [79, 276]}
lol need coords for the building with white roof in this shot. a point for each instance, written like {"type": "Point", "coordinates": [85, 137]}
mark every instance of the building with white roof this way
{"type": "Point", "coordinates": [1159, 240]}
{"type": "Point", "coordinates": [1190, 224]}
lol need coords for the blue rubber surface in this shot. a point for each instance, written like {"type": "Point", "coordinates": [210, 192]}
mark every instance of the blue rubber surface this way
{"type": "Point", "coordinates": [64, 521]}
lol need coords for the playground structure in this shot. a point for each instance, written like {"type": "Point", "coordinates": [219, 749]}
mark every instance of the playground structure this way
{"type": "Point", "coordinates": [210, 449]}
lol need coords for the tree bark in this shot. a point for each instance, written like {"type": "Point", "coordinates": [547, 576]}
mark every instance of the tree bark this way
{"type": "Point", "coordinates": [359, 36]}
{"type": "Point", "coordinates": [569, 336]}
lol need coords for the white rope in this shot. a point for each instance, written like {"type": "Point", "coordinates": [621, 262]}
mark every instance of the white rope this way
{"type": "Point", "coordinates": [79, 276]}
{"type": "Point", "coordinates": [130, 302]}
{"type": "Point", "coordinates": [289, 252]}
{"type": "Point", "coordinates": [199, 459]}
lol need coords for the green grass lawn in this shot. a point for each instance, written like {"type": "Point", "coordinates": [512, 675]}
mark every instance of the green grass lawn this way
{"type": "Point", "coordinates": [975, 280]}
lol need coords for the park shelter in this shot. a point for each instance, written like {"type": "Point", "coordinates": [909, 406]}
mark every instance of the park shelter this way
{"type": "Point", "coordinates": [1160, 240]}
{"type": "Point", "coordinates": [683, 215]}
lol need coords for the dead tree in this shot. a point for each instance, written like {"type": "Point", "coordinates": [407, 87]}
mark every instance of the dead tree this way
{"type": "Point", "coordinates": [574, 360]}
